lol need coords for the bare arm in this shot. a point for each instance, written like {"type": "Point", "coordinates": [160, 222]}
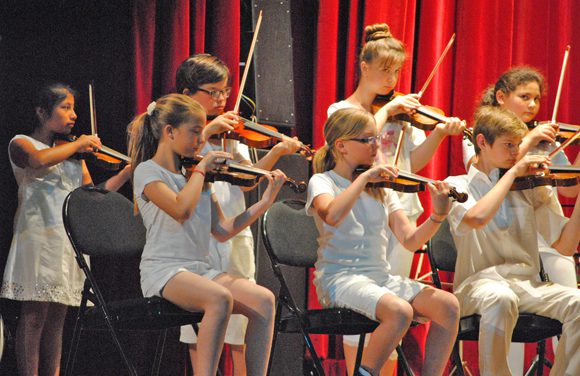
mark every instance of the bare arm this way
{"type": "Point", "coordinates": [412, 237]}
{"type": "Point", "coordinates": [24, 154]}
{"type": "Point", "coordinates": [333, 210]}
{"type": "Point", "coordinates": [570, 236]}
{"type": "Point", "coordinates": [226, 228]}
{"type": "Point", "coordinates": [117, 181]}
{"type": "Point", "coordinates": [423, 153]}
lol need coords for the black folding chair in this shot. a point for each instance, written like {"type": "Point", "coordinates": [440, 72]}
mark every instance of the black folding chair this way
{"type": "Point", "coordinates": [529, 327]}
{"type": "Point", "coordinates": [102, 223]}
{"type": "Point", "coordinates": [290, 239]}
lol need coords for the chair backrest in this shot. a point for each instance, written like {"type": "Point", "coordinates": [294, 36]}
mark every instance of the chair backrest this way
{"type": "Point", "coordinates": [102, 223]}
{"type": "Point", "coordinates": [290, 234]}
{"type": "Point", "coordinates": [442, 251]}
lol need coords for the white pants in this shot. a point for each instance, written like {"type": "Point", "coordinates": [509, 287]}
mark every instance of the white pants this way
{"type": "Point", "coordinates": [499, 303]}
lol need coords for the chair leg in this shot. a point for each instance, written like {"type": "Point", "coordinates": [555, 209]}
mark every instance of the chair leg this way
{"type": "Point", "coordinates": [315, 359]}
{"type": "Point", "coordinates": [115, 338]}
{"type": "Point", "coordinates": [72, 353]}
{"type": "Point", "coordinates": [359, 353]}
{"type": "Point", "coordinates": [403, 361]}
{"type": "Point", "coordinates": [159, 352]}
{"type": "Point", "coordinates": [456, 361]}
{"type": "Point", "coordinates": [540, 361]}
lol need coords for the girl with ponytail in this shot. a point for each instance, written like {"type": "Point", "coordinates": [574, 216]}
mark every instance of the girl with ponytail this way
{"type": "Point", "coordinates": [352, 270]}
{"type": "Point", "coordinates": [180, 215]}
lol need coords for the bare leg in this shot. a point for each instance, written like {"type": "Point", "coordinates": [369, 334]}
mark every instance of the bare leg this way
{"type": "Point", "coordinates": [192, 347]}
{"type": "Point", "coordinates": [28, 333]}
{"type": "Point", "coordinates": [51, 340]}
{"type": "Point", "coordinates": [442, 309]}
{"type": "Point", "coordinates": [195, 293]}
{"type": "Point", "coordinates": [394, 315]}
{"type": "Point", "coordinates": [257, 304]}
{"type": "Point", "coordinates": [388, 368]}
{"type": "Point", "coordinates": [239, 359]}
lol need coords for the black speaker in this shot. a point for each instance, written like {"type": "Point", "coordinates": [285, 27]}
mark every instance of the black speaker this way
{"type": "Point", "coordinates": [289, 351]}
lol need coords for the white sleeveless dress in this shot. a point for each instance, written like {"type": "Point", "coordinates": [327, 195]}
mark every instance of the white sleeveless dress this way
{"type": "Point", "coordinates": [41, 264]}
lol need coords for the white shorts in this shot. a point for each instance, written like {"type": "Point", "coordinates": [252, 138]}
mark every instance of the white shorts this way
{"type": "Point", "coordinates": [361, 292]}
{"type": "Point", "coordinates": [235, 333]}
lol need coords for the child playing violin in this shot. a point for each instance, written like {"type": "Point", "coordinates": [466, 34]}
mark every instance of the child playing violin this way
{"type": "Point", "coordinates": [352, 270]}
{"type": "Point", "coordinates": [41, 270]}
{"type": "Point", "coordinates": [380, 61]}
{"type": "Point", "coordinates": [205, 78]}
{"type": "Point", "coordinates": [498, 261]}
{"type": "Point", "coordinates": [520, 90]}
{"type": "Point", "coordinates": [179, 216]}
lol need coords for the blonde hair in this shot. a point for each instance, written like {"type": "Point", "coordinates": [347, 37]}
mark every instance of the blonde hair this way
{"type": "Point", "coordinates": [493, 122]}
{"type": "Point", "coordinates": [145, 130]}
{"type": "Point", "coordinates": [343, 124]}
{"type": "Point", "coordinates": [380, 44]}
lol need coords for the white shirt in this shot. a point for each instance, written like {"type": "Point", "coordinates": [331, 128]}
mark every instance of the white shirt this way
{"type": "Point", "coordinates": [390, 132]}
{"type": "Point", "coordinates": [507, 247]}
{"type": "Point", "coordinates": [359, 242]}
{"type": "Point", "coordinates": [170, 245]}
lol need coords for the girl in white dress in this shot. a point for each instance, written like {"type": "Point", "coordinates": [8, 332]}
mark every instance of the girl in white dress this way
{"type": "Point", "coordinates": [352, 270]}
{"type": "Point", "coordinates": [180, 215]}
{"type": "Point", "coordinates": [41, 270]}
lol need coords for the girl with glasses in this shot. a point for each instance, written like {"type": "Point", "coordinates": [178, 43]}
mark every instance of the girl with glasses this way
{"type": "Point", "coordinates": [352, 270]}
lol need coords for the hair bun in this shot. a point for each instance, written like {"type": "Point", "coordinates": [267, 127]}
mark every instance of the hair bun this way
{"type": "Point", "coordinates": [377, 31]}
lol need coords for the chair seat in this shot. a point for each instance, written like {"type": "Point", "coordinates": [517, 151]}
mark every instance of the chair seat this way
{"type": "Point", "coordinates": [329, 321]}
{"type": "Point", "coordinates": [529, 328]}
{"type": "Point", "coordinates": [153, 313]}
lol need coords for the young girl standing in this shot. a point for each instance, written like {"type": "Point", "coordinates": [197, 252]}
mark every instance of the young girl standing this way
{"type": "Point", "coordinates": [180, 215]}
{"type": "Point", "coordinates": [41, 270]}
{"type": "Point", "coordinates": [352, 270]}
{"type": "Point", "coordinates": [206, 78]}
{"type": "Point", "coordinates": [380, 61]}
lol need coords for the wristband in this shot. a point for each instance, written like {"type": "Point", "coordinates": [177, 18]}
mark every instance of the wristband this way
{"type": "Point", "coordinates": [199, 172]}
{"type": "Point", "coordinates": [434, 220]}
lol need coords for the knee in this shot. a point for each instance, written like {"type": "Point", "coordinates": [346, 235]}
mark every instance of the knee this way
{"type": "Point", "coordinates": [397, 311]}
{"type": "Point", "coordinates": [451, 311]}
{"type": "Point", "coordinates": [220, 302]}
{"type": "Point", "coordinates": [266, 303]}
{"type": "Point", "coordinates": [503, 302]}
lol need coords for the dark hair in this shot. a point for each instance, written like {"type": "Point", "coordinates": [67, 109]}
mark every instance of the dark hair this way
{"type": "Point", "coordinates": [198, 70]}
{"type": "Point", "coordinates": [50, 95]}
{"type": "Point", "coordinates": [509, 81]}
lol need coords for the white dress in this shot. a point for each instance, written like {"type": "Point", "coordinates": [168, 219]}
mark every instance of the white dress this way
{"type": "Point", "coordinates": [41, 264]}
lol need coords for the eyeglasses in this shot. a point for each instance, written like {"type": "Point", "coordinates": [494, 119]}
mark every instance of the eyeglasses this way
{"type": "Point", "coordinates": [367, 140]}
{"type": "Point", "coordinates": [215, 94]}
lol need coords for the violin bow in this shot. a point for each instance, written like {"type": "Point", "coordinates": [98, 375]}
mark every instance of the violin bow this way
{"type": "Point", "coordinates": [92, 110]}
{"type": "Point", "coordinates": [560, 83]}
{"type": "Point", "coordinates": [245, 75]}
{"type": "Point", "coordinates": [93, 115]}
{"type": "Point", "coordinates": [564, 145]}
{"type": "Point", "coordinates": [449, 44]}
{"type": "Point", "coordinates": [399, 147]}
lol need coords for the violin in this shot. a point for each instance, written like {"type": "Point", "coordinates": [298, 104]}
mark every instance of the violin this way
{"type": "Point", "coordinates": [564, 133]}
{"type": "Point", "coordinates": [559, 176]}
{"type": "Point", "coordinates": [236, 174]}
{"type": "Point", "coordinates": [261, 136]}
{"type": "Point", "coordinates": [409, 183]}
{"type": "Point", "coordinates": [105, 158]}
{"type": "Point", "coordinates": [424, 118]}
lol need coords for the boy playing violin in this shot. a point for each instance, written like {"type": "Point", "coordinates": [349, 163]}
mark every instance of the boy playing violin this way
{"type": "Point", "coordinates": [495, 232]}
